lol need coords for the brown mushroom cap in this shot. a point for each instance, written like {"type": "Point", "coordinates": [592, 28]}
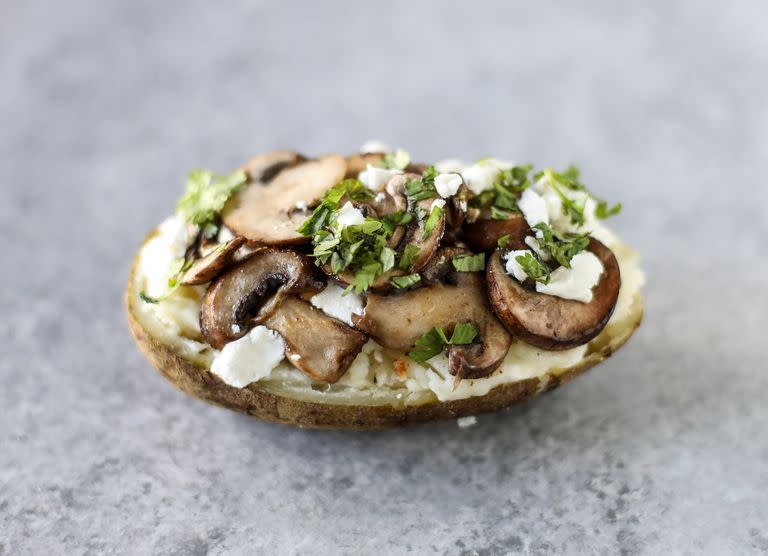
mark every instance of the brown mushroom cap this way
{"type": "Point", "coordinates": [396, 321]}
{"type": "Point", "coordinates": [483, 234]}
{"type": "Point", "coordinates": [551, 322]}
{"type": "Point", "coordinates": [268, 212]}
{"type": "Point", "coordinates": [247, 294]}
{"type": "Point", "coordinates": [318, 345]}
{"type": "Point", "coordinates": [217, 260]}
{"type": "Point", "coordinates": [265, 166]}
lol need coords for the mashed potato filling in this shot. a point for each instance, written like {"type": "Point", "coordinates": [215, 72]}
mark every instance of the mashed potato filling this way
{"type": "Point", "coordinates": [371, 379]}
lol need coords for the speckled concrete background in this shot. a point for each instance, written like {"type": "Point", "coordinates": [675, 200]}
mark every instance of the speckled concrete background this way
{"type": "Point", "coordinates": [104, 106]}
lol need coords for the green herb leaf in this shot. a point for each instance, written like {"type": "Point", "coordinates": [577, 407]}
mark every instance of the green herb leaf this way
{"type": "Point", "coordinates": [463, 333]}
{"type": "Point", "coordinates": [407, 257]}
{"type": "Point", "coordinates": [503, 241]}
{"type": "Point", "coordinates": [433, 342]}
{"type": "Point", "coordinates": [602, 211]}
{"type": "Point", "coordinates": [206, 195]}
{"type": "Point", "coordinates": [561, 246]}
{"type": "Point", "coordinates": [407, 281]}
{"type": "Point", "coordinates": [499, 214]}
{"type": "Point", "coordinates": [387, 258]}
{"type": "Point", "coordinates": [469, 263]}
{"type": "Point", "coordinates": [534, 267]}
{"type": "Point", "coordinates": [429, 345]}
{"type": "Point", "coordinates": [434, 217]}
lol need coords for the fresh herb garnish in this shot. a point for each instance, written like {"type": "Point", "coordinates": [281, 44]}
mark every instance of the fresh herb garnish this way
{"type": "Point", "coordinates": [560, 245]}
{"type": "Point", "coordinates": [407, 257]}
{"type": "Point", "coordinates": [422, 188]}
{"type": "Point", "coordinates": [206, 195]}
{"type": "Point", "coordinates": [501, 199]}
{"type": "Point", "coordinates": [434, 217]}
{"type": "Point", "coordinates": [570, 178]}
{"type": "Point", "coordinates": [398, 160]}
{"type": "Point", "coordinates": [433, 342]}
{"type": "Point", "coordinates": [503, 241]}
{"type": "Point", "coordinates": [401, 282]}
{"type": "Point", "coordinates": [469, 263]}
{"type": "Point", "coordinates": [534, 267]}
{"type": "Point", "coordinates": [351, 188]}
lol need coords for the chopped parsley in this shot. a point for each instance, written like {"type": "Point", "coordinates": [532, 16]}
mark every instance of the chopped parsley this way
{"type": "Point", "coordinates": [503, 241]}
{"type": "Point", "coordinates": [205, 197]}
{"type": "Point", "coordinates": [401, 282]}
{"type": "Point", "coordinates": [433, 342]}
{"type": "Point", "coordinates": [534, 267]}
{"type": "Point", "coordinates": [570, 178]}
{"type": "Point", "coordinates": [434, 217]}
{"type": "Point", "coordinates": [422, 188]}
{"type": "Point", "coordinates": [560, 245]}
{"type": "Point", "coordinates": [501, 199]}
{"type": "Point", "coordinates": [361, 248]}
{"type": "Point", "coordinates": [407, 257]}
{"type": "Point", "coordinates": [469, 263]}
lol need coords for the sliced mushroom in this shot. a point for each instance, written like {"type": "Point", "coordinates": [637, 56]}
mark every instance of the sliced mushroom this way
{"type": "Point", "coordinates": [264, 167]}
{"type": "Point", "coordinates": [396, 321]}
{"type": "Point", "coordinates": [551, 322]}
{"type": "Point", "coordinates": [484, 233]}
{"type": "Point", "coordinates": [269, 213]}
{"type": "Point", "coordinates": [318, 345]}
{"type": "Point", "coordinates": [209, 266]}
{"type": "Point", "coordinates": [250, 292]}
{"type": "Point", "coordinates": [358, 162]}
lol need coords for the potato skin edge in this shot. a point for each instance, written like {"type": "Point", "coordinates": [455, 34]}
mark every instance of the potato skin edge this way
{"type": "Point", "coordinates": [200, 383]}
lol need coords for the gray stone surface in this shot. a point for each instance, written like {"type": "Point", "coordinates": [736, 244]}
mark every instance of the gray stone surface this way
{"type": "Point", "coordinates": [104, 106]}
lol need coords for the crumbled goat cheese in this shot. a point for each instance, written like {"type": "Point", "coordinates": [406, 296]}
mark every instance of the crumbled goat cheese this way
{"type": "Point", "coordinates": [533, 207]}
{"type": "Point", "coordinates": [466, 422]}
{"type": "Point", "coordinates": [333, 303]}
{"type": "Point", "coordinates": [374, 177]}
{"type": "Point", "coordinates": [374, 147]}
{"type": "Point", "coordinates": [513, 267]}
{"type": "Point", "coordinates": [575, 282]}
{"type": "Point", "coordinates": [481, 175]}
{"type": "Point", "coordinates": [447, 184]}
{"type": "Point", "coordinates": [349, 216]}
{"type": "Point", "coordinates": [440, 203]}
{"type": "Point", "coordinates": [250, 358]}
{"type": "Point", "coordinates": [450, 165]}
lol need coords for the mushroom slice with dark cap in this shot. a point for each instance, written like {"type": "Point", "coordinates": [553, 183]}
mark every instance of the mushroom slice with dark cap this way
{"type": "Point", "coordinates": [483, 234]}
{"type": "Point", "coordinates": [249, 292]}
{"type": "Point", "coordinates": [551, 322]}
{"type": "Point", "coordinates": [318, 345]}
{"type": "Point", "coordinates": [358, 162]}
{"type": "Point", "coordinates": [269, 212]}
{"type": "Point", "coordinates": [263, 167]}
{"type": "Point", "coordinates": [396, 321]}
{"type": "Point", "coordinates": [216, 261]}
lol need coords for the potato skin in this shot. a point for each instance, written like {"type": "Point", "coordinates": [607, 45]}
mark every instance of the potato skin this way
{"type": "Point", "coordinates": [200, 383]}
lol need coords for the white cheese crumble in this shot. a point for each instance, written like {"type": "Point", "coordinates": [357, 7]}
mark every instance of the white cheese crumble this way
{"type": "Point", "coordinates": [225, 234]}
{"type": "Point", "coordinates": [349, 216]}
{"type": "Point", "coordinates": [447, 184]}
{"type": "Point", "coordinates": [372, 147]}
{"type": "Point", "coordinates": [575, 282]}
{"type": "Point", "coordinates": [374, 177]}
{"type": "Point", "coordinates": [513, 267]}
{"type": "Point", "coordinates": [533, 207]}
{"type": "Point", "coordinates": [450, 165]}
{"type": "Point", "coordinates": [332, 302]}
{"type": "Point", "coordinates": [159, 254]}
{"type": "Point", "coordinates": [439, 203]}
{"type": "Point", "coordinates": [250, 358]}
{"type": "Point", "coordinates": [466, 422]}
